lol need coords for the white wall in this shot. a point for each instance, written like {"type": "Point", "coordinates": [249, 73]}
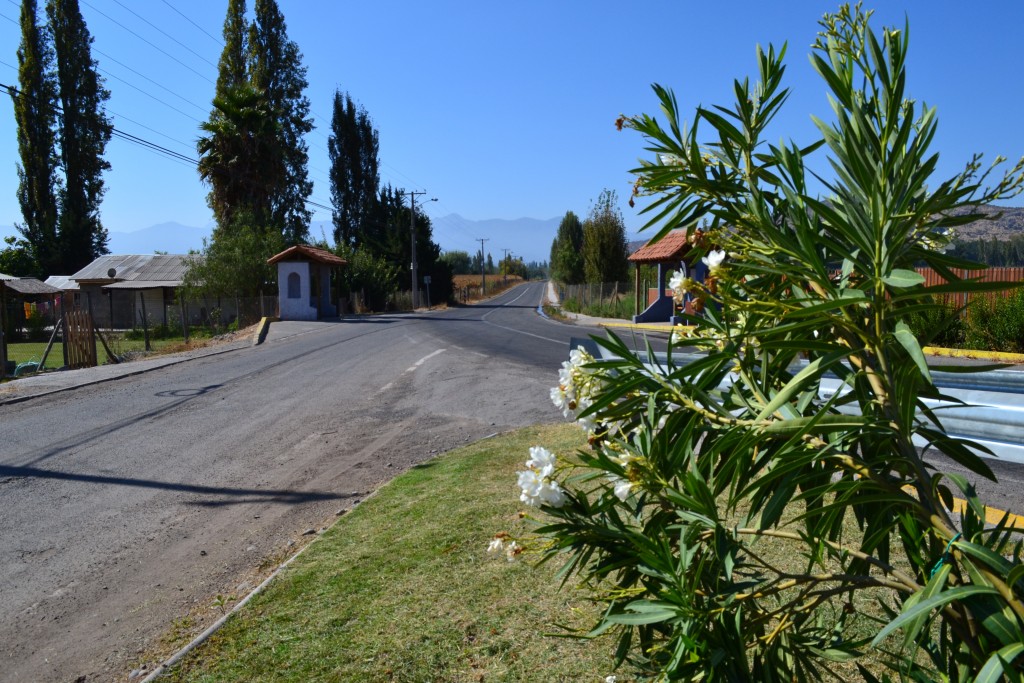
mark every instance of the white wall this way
{"type": "Point", "coordinates": [294, 309]}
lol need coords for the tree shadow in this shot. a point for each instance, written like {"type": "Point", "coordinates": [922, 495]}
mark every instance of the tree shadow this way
{"type": "Point", "coordinates": [227, 495]}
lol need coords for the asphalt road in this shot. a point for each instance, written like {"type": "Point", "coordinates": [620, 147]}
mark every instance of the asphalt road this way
{"type": "Point", "coordinates": [127, 506]}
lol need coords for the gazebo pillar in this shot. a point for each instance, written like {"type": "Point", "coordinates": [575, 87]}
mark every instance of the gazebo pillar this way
{"type": "Point", "coordinates": [636, 290]}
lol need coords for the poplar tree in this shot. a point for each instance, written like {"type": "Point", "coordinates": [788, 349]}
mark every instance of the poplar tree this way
{"type": "Point", "coordinates": [353, 148]}
{"type": "Point", "coordinates": [605, 249]}
{"type": "Point", "coordinates": [232, 71]}
{"type": "Point", "coordinates": [276, 69]}
{"type": "Point", "coordinates": [567, 251]}
{"type": "Point", "coordinates": [36, 116]}
{"type": "Point", "coordinates": [84, 131]}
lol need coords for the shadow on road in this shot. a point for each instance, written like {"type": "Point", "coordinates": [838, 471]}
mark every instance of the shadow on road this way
{"type": "Point", "coordinates": [229, 496]}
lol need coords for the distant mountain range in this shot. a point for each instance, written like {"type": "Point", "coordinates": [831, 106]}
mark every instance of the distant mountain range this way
{"type": "Point", "coordinates": [1010, 224]}
{"type": "Point", "coordinates": [173, 238]}
{"type": "Point", "coordinates": [1003, 227]}
{"type": "Point", "coordinates": [529, 238]}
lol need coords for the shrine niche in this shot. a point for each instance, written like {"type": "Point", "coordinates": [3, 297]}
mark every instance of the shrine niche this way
{"type": "Point", "coordinates": [304, 282]}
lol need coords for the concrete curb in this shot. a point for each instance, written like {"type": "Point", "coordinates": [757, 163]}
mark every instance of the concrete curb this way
{"type": "Point", "coordinates": [215, 626]}
{"type": "Point", "coordinates": [260, 335]}
{"type": "Point", "coordinates": [29, 397]}
{"type": "Point", "coordinates": [994, 356]}
{"type": "Point", "coordinates": [162, 668]}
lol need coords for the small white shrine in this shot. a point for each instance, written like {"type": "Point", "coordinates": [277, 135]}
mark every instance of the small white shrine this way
{"type": "Point", "coordinates": [304, 282]}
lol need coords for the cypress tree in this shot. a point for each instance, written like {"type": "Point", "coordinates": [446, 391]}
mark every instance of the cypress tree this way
{"type": "Point", "coordinates": [275, 66]}
{"type": "Point", "coordinates": [84, 131]}
{"type": "Point", "coordinates": [232, 71]}
{"type": "Point", "coordinates": [36, 116]}
{"type": "Point", "coordinates": [352, 146]}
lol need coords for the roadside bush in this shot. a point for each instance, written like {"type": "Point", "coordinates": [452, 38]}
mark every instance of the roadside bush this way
{"type": "Point", "coordinates": [736, 522]}
{"type": "Point", "coordinates": [941, 325]}
{"type": "Point", "coordinates": [997, 324]}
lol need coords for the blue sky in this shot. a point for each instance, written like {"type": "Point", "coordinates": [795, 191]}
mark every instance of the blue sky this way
{"type": "Point", "coordinates": [507, 109]}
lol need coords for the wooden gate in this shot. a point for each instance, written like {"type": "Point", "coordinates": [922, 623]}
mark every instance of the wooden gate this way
{"type": "Point", "coordinates": [79, 341]}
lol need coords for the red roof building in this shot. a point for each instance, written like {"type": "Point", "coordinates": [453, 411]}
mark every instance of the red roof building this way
{"type": "Point", "coordinates": [670, 253]}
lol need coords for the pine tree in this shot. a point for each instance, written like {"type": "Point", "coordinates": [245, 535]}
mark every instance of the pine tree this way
{"type": "Point", "coordinates": [84, 132]}
{"type": "Point", "coordinates": [232, 71]}
{"type": "Point", "coordinates": [35, 113]}
{"type": "Point", "coordinates": [275, 68]}
{"type": "Point", "coordinates": [353, 148]}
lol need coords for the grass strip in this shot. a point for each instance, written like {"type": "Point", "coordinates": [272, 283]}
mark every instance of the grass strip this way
{"type": "Point", "coordinates": [401, 589]}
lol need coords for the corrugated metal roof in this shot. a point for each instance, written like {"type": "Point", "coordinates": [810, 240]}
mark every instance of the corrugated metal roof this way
{"type": "Point", "coordinates": [143, 284]}
{"type": "Point", "coordinates": [5, 276]}
{"type": "Point", "coordinates": [671, 247]}
{"type": "Point", "coordinates": [62, 282]}
{"type": "Point", "coordinates": [30, 285]}
{"type": "Point", "coordinates": [132, 267]}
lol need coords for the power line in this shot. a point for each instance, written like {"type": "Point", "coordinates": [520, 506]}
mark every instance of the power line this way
{"type": "Point", "coordinates": [215, 39]}
{"type": "Point", "coordinates": [160, 85]}
{"type": "Point", "coordinates": [154, 147]}
{"type": "Point", "coordinates": [165, 33]}
{"type": "Point", "coordinates": [150, 95]}
{"type": "Point", "coordinates": [165, 52]}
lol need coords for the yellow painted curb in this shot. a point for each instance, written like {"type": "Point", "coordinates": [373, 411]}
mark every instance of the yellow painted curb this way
{"type": "Point", "coordinates": [652, 327]}
{"type": "Point", "coordinates": [995, 356]}
{"type": "Point", "coordinates": [992, 515]}
{"type": "Point", "coordinates": [261, 330]}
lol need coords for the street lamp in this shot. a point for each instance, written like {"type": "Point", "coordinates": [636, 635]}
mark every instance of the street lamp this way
{"type": "Point", "coordinates": [412, 229]}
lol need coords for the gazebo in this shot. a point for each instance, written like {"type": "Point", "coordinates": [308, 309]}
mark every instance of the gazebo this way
{"type": "Point", "coordinates": [304, 282]}
{"type": "Point", "coordinates": [669, 253]}
{"type": "Point", "coordinates": [24, 289]}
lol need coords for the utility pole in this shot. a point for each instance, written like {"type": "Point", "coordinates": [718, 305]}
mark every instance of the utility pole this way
{"type": "Point", "coordinates": [508, 263]}
{"type": "Point", "coordinates": [483, 265]}
{"type": "Point", "coordinates": [412, 230]}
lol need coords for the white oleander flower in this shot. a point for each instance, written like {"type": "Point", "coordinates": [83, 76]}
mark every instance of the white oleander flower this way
{"type": "Point", "coordinates": [714, 260]}
{"type": "Point", "coordinates": [542, 460]}
{"type": "Point", "coordinates": [620, 487]}
{"type": "Point", "coordinates": [496, 546]}
{"type": "Point", "coordinates": [512, 550]}
{"type": "Point", "coordinates": [535, 483]}
{"type": "Point", "coordinates": [560, 397]}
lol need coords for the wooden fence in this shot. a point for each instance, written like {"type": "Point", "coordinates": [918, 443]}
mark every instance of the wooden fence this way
{"type": "Point", "coordinates": [1002, 274]}
{"type": "Point", "coordinates": [79, 341]}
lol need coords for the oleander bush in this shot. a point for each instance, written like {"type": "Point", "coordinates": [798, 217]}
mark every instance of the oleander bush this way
{"type": "Point", "coordinates": [701, 475]}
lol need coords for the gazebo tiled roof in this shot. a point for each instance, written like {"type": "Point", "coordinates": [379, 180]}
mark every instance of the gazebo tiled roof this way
{"type": "Point", "coordinates": [671, 247]}
{"type": "Point", "coordinates": [304, 251]}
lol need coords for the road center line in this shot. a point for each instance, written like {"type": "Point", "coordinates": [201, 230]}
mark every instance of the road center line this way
{"type": "Point", "coordinates": [412, 368]}
{"type": "Point", "coordinates": [423, 360]}
{"type": "Point", "coordinates": [525, 291]}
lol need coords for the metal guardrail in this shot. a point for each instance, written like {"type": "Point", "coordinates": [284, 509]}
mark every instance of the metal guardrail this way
{"type": "Point", "coordinates": [992, 412]}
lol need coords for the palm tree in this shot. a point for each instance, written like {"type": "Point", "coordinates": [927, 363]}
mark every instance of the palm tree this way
{"type": "Point", "coordinates": [241, 158]}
